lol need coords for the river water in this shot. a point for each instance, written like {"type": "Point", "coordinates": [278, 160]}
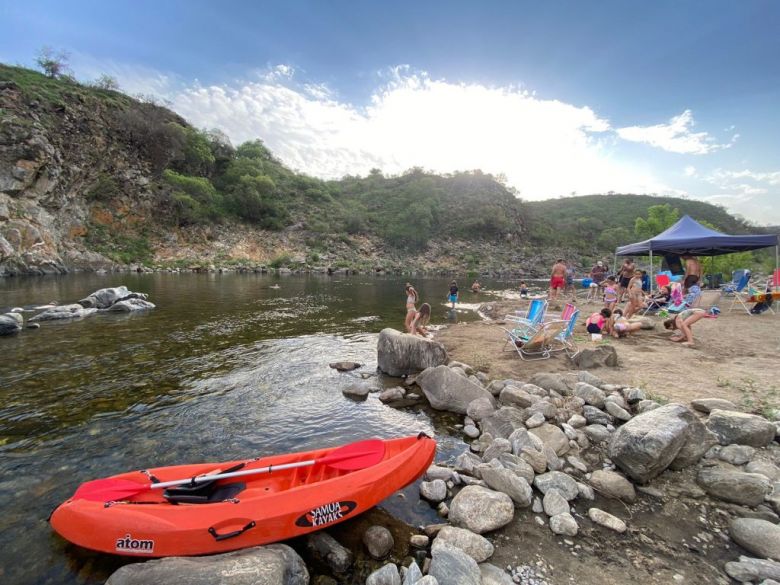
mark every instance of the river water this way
{"type": "Point", "coordinates": [227, 366]}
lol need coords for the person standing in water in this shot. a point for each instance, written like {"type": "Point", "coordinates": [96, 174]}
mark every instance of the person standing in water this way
{"type": "Point", "coordinates": [557, 278]}
{"type": "Point", "coordinates": [453, 296]}
{"type": "Point", "coordinates": [411, 304]}
{"type": "Point", "coordinates": [420, 320]}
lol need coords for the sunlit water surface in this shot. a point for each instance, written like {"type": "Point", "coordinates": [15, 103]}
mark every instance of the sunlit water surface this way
{"type": "Point", "coordinates": [226, 367]}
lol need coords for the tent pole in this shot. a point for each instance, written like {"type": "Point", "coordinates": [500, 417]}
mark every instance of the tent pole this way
{"type": "Point", "coordinates": [651, 269]}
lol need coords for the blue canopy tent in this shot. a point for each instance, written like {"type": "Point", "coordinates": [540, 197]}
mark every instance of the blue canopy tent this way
{"type": "Point", "coordinates": [688, 236]}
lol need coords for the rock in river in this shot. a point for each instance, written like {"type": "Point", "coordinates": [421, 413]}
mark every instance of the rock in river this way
{"type": "Point", "coordinates": [275, 564]}
{"type": "Point", "coordinates": [401, 354]}
{"type": "Point", "coordinates": [74, 311]}
{"type": "Point", "coordinates": [131, 305]}
{"type": "Point", "coordinates": [379, 541]}
{"type": "Point", "coordinates": [10, 324]}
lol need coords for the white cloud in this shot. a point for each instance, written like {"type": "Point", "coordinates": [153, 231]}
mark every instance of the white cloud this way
{"type": "Point", "coordinates": [751, 193]}
{"type": "Point", "coordinates": [676, 136]}
{"type": "Point", "coordinates": [544, 147]}
{"type": "Point", "coordinates": [719, 176]}
{"type": "Point", "coordinates": [690, 171]}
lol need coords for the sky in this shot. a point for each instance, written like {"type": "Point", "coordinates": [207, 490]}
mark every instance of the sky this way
{"type": "Point", "coordinates": [673, 97]}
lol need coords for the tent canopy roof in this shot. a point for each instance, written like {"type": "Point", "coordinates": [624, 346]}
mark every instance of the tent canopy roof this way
{"type": "Point", "coordinates": [688, 236]}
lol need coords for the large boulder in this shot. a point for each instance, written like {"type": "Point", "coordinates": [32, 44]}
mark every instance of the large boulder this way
{"type": "Point", "coordinates": [74, 311]}
{"type": "Point", "coordinates": [760, 537]}
{"type": "Point", "coordinates": [601, 356]}
{"type": "Point", "coordinates": [734, 486]}
{"type": "Point", "coordinates": [446, 390]}
{"type": "Point", "coordinates": [649, 442]}
{"type": "Point", "coordinates": [503, 422]}
{"type": "Point", "coordinates": [275, 564]}
{"type": "Point", "coordinates": [481, 510]}
{"type": "Point", "coordinates": [707, 405]}
{"type": "Point", "coordinates": [749, 570]}
{"type": "Point", "coordinates": [104, 298]}
{"type": "Point", "coordinates": [741, 428]}
{"type": "Point", "coordinates": [401, 354]}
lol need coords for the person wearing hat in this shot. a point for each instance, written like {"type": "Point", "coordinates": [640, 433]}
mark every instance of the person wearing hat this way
{"type": "Point", "coordinates": [597, 274]}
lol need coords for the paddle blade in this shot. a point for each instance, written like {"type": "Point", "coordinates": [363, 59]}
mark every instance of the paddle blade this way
{"type": "Point", "coordinates": [356, 455]}
{"type": "Point", "coordinates": [107, 490]}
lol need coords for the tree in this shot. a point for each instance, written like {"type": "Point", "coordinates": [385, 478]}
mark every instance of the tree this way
{"type": "Point", "coordinates": [54, 63]}
{"type": "Point", "coordinates": [106, 82]}
{"type": "Point", "coordinates": [659, 218]}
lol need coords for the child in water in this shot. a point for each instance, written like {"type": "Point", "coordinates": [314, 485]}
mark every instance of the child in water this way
{"type": "Point", "coordinates": [523, 289]}
{"type": "Point", "coordinates": [453, 296]}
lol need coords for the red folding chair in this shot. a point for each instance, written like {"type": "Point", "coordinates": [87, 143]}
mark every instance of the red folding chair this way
{"type": "Point", "coordinates": [662, 280]}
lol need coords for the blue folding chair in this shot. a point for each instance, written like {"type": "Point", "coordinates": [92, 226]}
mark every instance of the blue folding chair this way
{"type": "Point", "coordinates": [533, 316]}
{"type": "Point", "coordinates": [739, 292]}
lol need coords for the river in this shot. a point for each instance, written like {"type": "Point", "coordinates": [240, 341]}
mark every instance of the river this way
{"type": "Point", "coordinates": [227, 366]}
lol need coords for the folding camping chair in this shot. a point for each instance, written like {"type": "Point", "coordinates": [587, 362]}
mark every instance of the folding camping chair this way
{"type": "Point", "coordinates": [539, 343]}
{"type": "Point", "coordinates": [533, 316]}
{"type": "Point", "coordinates": [739, 292]}
{"type": "Point", "coordinates": [568, 310]}
{"type": "Point", "coordinates": [566, 338]}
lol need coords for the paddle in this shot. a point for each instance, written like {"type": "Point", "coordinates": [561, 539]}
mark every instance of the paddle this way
{"type": "Point", "coordinates": [347, 458]}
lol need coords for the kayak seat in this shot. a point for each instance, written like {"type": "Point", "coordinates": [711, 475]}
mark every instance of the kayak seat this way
{"type": "Point", "coordinates": [203, 493]}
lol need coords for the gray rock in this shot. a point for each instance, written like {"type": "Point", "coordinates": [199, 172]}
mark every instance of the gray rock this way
{"type": "Point", "coordinates": [357, 390]}
{"type": "Point", "coordinates": [419, 541]}
{"type": "Point", "coordinates": [275, 564]}
{"type": "Point", "coordinates": [504, 422]}
{"type": "Point", "coordinates": [522, 439]}
{"type": "Point", "coordinates": [764, 468]}
{"type": "Point", "coordinates": [477, 547]}
{"type": "Point", "coordinates": [379, 541]}
{"type": "Point", "coordinates": [467, 462]}
{"type": "Point", "coordinates": [400, 354]}
{"type": "Point", "coordinates": [594, 416]}
{"type": "Point", "coordinates": [602, 518]}
{"type": "Point", "coordinates": [104, 298]}
{"type": "Point", "coordinates": [613, 485]}
{"type": "Point", "coordinates": [9, 324]}
{"type": "Point", "coordinates": [480, 509]}
{"type": "Point", "coordinates": [707, 405]}
{"type": "Point", "coordinates": [759, 537]}
{"type": "Point", "coordinates": [749, 570]}
{"type": "Point", "coordinates": [74, 311]}
{"type": "Point", "coordinates": [569, 431]}
{"type": "Point", "coordinates": [535, 390]}
{"type": "Point", "coordinates": [344, 366]}
{"type": "Point", "coordinates": [518, 466]}
{"type": "Point", "coordinates": [736, 454]}
{"type": "Point", "coordinates": [492, 575]}
{"type": "Point", "coordinates": [446, 390]}
{"type": "Point", "coordinates": [550, 381]}
{"type": "Point", "coordinates": [327, 549]}
{"type": "Point", "coordinates": [734, 486]}
{"type": "Point", "coordinates": [554, 503]}
{"type": "Point", "coordinates": [131, 306]}
{"type": "Point", "coordinates": [585, 491]}
{"type": "Point", "coordinates": [497, 448]}
{"type": "Point", "coordinates": [601, 356]}
{"type": "Point", "coordinates": [577, 463]}
{"type": "Point", "coordinates": [434, 491]}
{"type": "Point", "coordinates": [506, 481]}
{"type": "Point", "coordinates": [588, 378]}
{"type": "Point", "coordinates": [617, 411]}
{"type": "Point", "coordinates": [564, 525]}
{"type": "Point", "coordinates": [700, 440]}
{"type": "Point", "coordinates": [554, 463]}
{"type": "Point", "coordinates": [451, 566]}
{"type": "Point", "coordinates": [634, 395]}
{"type": "Point", "coordinates": [471, 431]}
{"type": "Point", "coordinates": [646, 406]}
{"type": "Point", "coordinates": [741, 428]}
{"type": "Point", "coordinates": [514, 396]}
{"type": "Point", "coordinates": [427, 580]}
{"type": "Point", "coordinates": [537, 507]}
{"type": "Point", "coordinates": [557, 480]}
{"type": "Point", "coordinates": [597, 433]}
{"type": "Point", "coordinates": [590, 394]}
{"type": "Point", "coordinates": [536, 420]}
{"type": "Point", "coordinates": [386, 575]}
{"type": "Point", "coordinates": [536, 459]}
{"type": "Point", "coordinates": [618, 399]}
{"type": "Point", "coordinates": [438, 472]}
{"type": "Point", "coordinates": [649, 442]}
{"type": "Point", "coordinates": [577, 421]}
{"type": "Point", "coordinates": [543, 407]}
{"type": "Point", "coordinates": [481, 408]}
{"type": "Point", "coordinates": [553, 437]}
{"type": "Point", "coordinates": [392, 394]}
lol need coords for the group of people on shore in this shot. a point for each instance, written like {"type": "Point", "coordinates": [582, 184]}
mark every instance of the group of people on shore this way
{"type": "Point", "coordinates": [416, 320]}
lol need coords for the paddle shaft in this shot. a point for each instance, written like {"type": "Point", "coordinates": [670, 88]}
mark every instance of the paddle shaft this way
{"type": "Point", "coordinates": [269, 469]}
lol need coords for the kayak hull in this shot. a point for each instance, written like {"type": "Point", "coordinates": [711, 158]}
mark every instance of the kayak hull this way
{"type": "Point", "coordinates": [271, 506]}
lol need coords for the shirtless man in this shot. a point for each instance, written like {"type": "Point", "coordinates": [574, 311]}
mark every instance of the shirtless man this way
{"type": "Point", "coordinates": [626, 273]}
{"type": "Point", "coordinates": [692, 266]}
{"type": "Point", "coordinates": [557, 278]}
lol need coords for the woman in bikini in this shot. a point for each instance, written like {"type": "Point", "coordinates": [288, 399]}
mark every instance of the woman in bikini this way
{"type": "Point", "coordinates": [636, 296]}
{"type": "Point", "coordinates": [420, 320]}
{"type": "Point", "coordinates": [411, 305]}
{"type": "Point", "coordinates": [610, 294]}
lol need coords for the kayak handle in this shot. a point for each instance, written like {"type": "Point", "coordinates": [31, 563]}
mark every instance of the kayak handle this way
{"type": "Point", "coordinates": [219, 537]}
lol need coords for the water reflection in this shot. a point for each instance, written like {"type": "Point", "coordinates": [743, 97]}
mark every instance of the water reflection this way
{"type": "Point", "coordinates": [227, 366]}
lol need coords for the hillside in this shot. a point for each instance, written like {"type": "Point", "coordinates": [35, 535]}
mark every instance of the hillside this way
{"type": "Point", "coordinates": [91, 178]}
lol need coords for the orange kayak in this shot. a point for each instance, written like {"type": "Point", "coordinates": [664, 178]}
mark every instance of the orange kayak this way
{"type": "Point", "coordinates": [266, 503]}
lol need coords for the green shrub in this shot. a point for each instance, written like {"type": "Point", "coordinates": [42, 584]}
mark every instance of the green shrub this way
{"type": "Point", "coordinates": [280, 260]}
{"type": "Point", "coordinates": [104, 189]}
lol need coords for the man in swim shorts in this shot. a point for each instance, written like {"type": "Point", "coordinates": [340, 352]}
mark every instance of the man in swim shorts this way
{"type": "Point", "coordinates": [626, 273]}
{"type": "Point", "coordinates": [558, 278]}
